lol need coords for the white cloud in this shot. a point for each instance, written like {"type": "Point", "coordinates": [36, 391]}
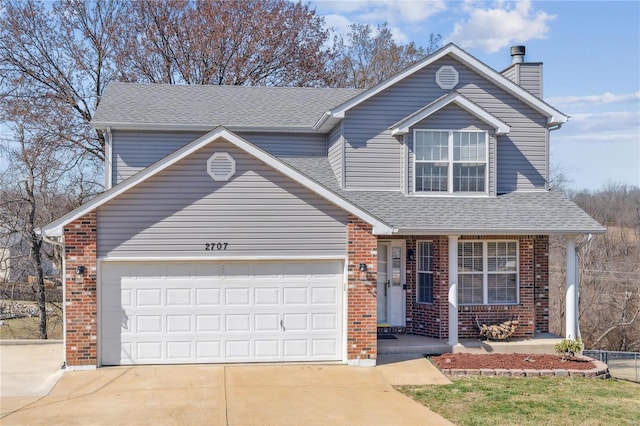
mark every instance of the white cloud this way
{"type": "Point", "coordinates": [495, 28]}
{"type": "Point", "coordinates": [339, 23]}
{"type": "Point", "coordinates": [339, 14]}
{"type": "Point", "coordinates": [609, 126]}
{"type": "Point", "coordinates": [605, 98]}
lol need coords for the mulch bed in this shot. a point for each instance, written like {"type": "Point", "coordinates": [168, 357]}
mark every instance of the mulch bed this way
{"type": "Point", "coordinates": [510, 361]}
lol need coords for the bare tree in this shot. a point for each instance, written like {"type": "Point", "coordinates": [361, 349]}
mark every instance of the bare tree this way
{"type": "Point", "coordinates": [250, 42]}
{"type": "Point", "coordinates": [62, 53]}
{"type": "Point", "coordinates": [34, 177]}
{"type": "Point", "coordinates": [609, 271]}
{"type": "Point", "coordinates": [365, 56]}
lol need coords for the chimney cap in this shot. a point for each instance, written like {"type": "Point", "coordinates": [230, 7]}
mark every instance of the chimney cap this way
{"type": "Point", "coordinates": [517, 54]}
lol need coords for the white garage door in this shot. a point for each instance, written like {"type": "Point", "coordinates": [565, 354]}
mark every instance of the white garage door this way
{"type": "Point", "coordinates": [198, 312]}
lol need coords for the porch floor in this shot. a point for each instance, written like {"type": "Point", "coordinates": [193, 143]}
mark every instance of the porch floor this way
{"type": "Point", "coordinates": [542, 343]}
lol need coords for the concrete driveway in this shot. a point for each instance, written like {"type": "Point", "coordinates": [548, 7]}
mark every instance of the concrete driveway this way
{"type": "Point", "coordinates": [290, 394]}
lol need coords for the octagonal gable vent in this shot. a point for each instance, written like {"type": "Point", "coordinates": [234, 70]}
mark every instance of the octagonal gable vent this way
{"type": "Point", "coordinates": [447, 77]}
{"type": "Point", "coordinates": [221, 166]}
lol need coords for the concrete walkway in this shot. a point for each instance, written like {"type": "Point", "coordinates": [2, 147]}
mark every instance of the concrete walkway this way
{"type": "Point", "coordinates": [289, 394]}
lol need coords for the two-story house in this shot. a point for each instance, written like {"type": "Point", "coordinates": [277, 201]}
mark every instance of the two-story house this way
{"type": "Point", "coordinates": [249, 224]}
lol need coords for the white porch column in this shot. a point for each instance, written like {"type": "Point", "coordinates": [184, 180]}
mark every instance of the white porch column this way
{"type": "Point", "coordinates": [571, 302]}
{"type": "Point", "coordinates": [453, 290]}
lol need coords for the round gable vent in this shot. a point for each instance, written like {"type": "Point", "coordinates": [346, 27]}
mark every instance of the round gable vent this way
{"type": "Point", "coordinates": [221, 166]}
{"type": "Point", "coordinates": [447, 77]}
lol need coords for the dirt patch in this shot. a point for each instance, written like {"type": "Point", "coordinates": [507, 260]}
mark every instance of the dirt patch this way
{"type": "Point", "coordinates": [510, 361]}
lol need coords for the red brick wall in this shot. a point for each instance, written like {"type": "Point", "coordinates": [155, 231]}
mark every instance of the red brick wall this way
{"type": "Point", "coordinates": [541, 288]}
{"type": "Point", "coordinates": [361, 291]}
{"type": "Point", "coordinates": [81, 310]}
{"type": "Point", "coordinates": [429, 319]}
{"type": "Point", "coordinates": [533, 310]}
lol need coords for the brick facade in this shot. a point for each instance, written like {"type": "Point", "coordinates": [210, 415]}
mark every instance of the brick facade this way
{"type": "Point", "coordinates": [432, 319]}
{"type": "Point", "coordinates": [81, 310]}
{"type": "Point", "coordinates": [362, 247]}
{"type": "Point", "coordinates": [422, 319]}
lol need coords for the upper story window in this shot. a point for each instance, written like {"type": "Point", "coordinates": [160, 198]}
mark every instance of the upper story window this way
{"type": "Point", "coordinates": [450, 161]}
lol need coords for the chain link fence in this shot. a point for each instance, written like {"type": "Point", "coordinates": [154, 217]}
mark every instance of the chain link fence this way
{"type": "Point", "coordinates": [622, 365]}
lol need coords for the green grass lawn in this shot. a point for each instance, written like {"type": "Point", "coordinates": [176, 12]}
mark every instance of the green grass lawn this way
{"type": "Point", "coordinates": [532, 401]}
{"type": "Point", "coordinates": [27, 328]}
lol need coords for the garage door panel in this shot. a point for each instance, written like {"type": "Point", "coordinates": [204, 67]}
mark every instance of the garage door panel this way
{"type": "Point", "coordinates": [149, 351]}
{"type": "Point", "coordinates": [295, 296]}
{"type": "Point", "coordinates": [208, 297]}
{"type": "Point", "coordinates": [179, 324]}
{"type": "Point", "coordinates": [172, 313]}
{"type": "Point", "coordinates": [179, 350]}
{"type": "Point", "coordinates": [237, 296]}
{"type": "Point", "coordinates": [179, 297]}
{"type": "Point", "coordinates": [148, 323]}
{"type": "Point", "coordinates": [266, 296]}
{"type": "Point", "coordinates": [205, 322]}
{"type": "Point", "coordinates": [148, 297]}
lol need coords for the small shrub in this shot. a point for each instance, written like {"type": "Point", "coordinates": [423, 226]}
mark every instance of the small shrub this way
{"type": "Point", "coordinates": [568, 347]}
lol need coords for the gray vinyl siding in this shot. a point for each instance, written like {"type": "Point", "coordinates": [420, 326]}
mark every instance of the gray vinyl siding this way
{"type": "Point", "coordinates": [452, 117]}
{"type": "Point", "coordinates": [289, 144]}
{"type": "Point", "coordinates": [531, 78]}
{"type": "Point", "coordinates": [336, 152]}
{"type": "Point", "coordinates": [133, 151]}
{"type": "Point", "coordinates": [527, 75]}
{"type": "Point", "coordinates": [373, 156]}
{"type": "Point", "coordinates": [258, 212]}
{"type": "Point", "coordinates": [511, 73]}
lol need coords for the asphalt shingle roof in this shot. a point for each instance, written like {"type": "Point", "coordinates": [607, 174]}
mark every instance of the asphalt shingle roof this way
{"type": "Point", "coordinates": [212, 106]}
{"type": "Point", "coordinates": [543, 212]}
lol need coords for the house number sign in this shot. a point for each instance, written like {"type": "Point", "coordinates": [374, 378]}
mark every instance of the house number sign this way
{"type": "Point", "coordinates": [216, 246]}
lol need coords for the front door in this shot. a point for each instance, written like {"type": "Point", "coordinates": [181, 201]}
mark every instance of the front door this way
{"type": "Point", "coordinates": [391, 280]}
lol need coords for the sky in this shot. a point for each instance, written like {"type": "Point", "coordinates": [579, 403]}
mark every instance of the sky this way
{"type": "Point", "coordinates": [591, 56]}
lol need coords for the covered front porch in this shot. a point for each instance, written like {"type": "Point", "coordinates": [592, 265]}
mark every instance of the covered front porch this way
{"type": "Point", "coordinates": [409, 344]}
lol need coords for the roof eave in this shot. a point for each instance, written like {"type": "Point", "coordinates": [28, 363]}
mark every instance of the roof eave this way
{"type": "Point", "coordinates": [103, 125]}
{"type": "Point", "coordinates": [498, 231]}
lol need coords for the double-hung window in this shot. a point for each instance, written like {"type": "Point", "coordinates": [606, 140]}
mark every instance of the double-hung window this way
{"type": "Point", "coordinates": [450, 161]}
{"type": "Point", "coordinates": [425, 272]}
{"type": "Point", "coordinates": [487, 272]}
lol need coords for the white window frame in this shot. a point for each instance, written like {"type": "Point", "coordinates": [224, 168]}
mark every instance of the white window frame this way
{"type": "Point", "coordinates": [418, 272]}
{"type": "Point", "coordinates": [486, 273]}
{"type": "Point", "coordinates": [450, 163]}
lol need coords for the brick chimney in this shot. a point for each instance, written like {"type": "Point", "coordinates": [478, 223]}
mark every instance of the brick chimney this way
{"type": "Point", "coordinates": [527, 75]}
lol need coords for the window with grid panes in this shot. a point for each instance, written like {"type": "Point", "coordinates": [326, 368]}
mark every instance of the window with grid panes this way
{"type": "Point", "coordinates": [425, 272]}
{"type": "Point", "coordinates": [450, 161]}
{"type": "Point", "coordinates": [487, 272]}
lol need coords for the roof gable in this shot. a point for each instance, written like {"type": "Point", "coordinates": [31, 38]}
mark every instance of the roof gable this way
{"type": "Point", "coordinates": [402, 127]}
{"type": "Point", "coordinates": [56, 228]}
{"type": "Point", "coordinates": [554, 117]}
